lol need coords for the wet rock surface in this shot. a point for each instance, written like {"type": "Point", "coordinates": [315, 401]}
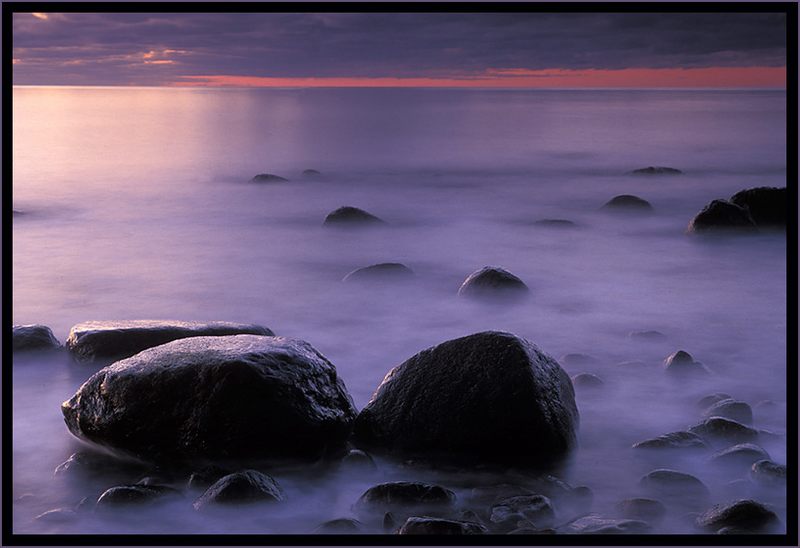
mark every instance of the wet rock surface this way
{"type": "Point", "coordinates": [440, 526]}
{"type": "Point", "coordinates": [743, 515]}
{"type": "Point", "coordinates": [379, 272]}
{"type": "Point", "coordinates": [351, 216]}
{"type": "Point", "coordinates": [247, 487]}
{"type": "Point", "coordinates": [35, 337]}
{"type": "Point", "coordinates": [490, 398]}
{"type": "Point", "coordinates": [492, 282]}
{"type": "Point", "coordinates": [721, 215]}
{"type": "Point", "coordinates": [112, 340]}
{"type": "Point", "coordinates": [237, 397]}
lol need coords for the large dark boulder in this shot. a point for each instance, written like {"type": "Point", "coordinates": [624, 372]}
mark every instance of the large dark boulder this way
{"type": "Point", "coordinates": [268, 178]}
{"type": "Point", "coordinates": [768, 206]}
{"type": "Point", "coordinates": [33, 338]}
{"type": "Point", "coordinates": [657, 170]}
{"type": "Point", "coordinates": [114, 340]}
{"type": "Point", "coordinates": [403, 495]}
{"type": "Point", "coordinates": [439, 526]}
{"type": "Point", "coordinates": [627, 202]}
{"type": "Point", "coordinates": [744, 515]}
{"type": "Point", "coordinates": [236, 397]}
{"type": "Point", "coordinates": [351, 216]}
{"type": "Point", "coordinates": [380, 272]}
{"type": "Point", "coordinates": [491, 282]}
{"type": "Point", "coordinates": [720, 215]}
{"type": "Point", "coordinates": [490, 397]}
{"type": "Point", "coordinates": [244, 487]}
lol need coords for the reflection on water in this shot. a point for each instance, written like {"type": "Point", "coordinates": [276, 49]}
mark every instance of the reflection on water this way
{"type": "Point", "coordinates": [137, 205]}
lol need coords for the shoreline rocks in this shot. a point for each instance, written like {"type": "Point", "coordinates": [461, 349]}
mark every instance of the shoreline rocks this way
{"type": "Point", "coordinates": [245, 487]}
{"type": "Point", "coordinates": [768, 206]}
{"type": "Point", "coordinates": [656, 170]}
{"type": "Point", "coordinates": [681, 364]}
{"type": "Point", "coordinates": [33, 337]}
{"type": "Point", "coordinates": [113, 340]}
{"type": "Point", "coordinates": [490, 397]}
{"type": "Point", "coordinates": [627, 203]}
{"type": "Point", "coordinates": [268, 178]}
{"type": "Point", "coordinates": [351, 216]}
{"type": "Point", "coordinates": [721, 215]}
{"type": "Point", "coordinates": [235, 397]}
{"type": "Point", "coordinates": [492, 282]}
{"type": "Point", "coordinates": [378, 272]}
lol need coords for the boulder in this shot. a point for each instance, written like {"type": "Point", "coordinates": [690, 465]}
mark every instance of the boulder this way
{"type": "Point", "coordinates": [768, 206]}
{"type": "Point", "coordinates": [33, 337]}
{"type": "Point", "coordinates": [536, 509]}
{"type": "Point", "coordinates": [351, 216]}
{"type": "Point", "coordinates": [731, 409]}
{"type": "Point", "coordinates": [490, 397]}
{"type": "Point", "coordinates": [742, 455]}
{"type": "Point", "coordinates": [674, 485]}
{"type": "Point", "coordinates": [587, 381]}
{"type": "Point", "coordinates": [439, 526]}
{"type": "Point", "coordinates": [657, 170]}
{"type": "Point", "coordinates": [743, 515]}
{"type": "Point", "coordinates": [341, 526]}
{"type": "Point", "coordinates": [311, 173]}
{"type": "Point", "coordinates": [206, 476]}
{"type": "Point", "coordinates": [577, 360]}
{"type": "Point", "coordinates": [236, 397]}
{"type": "Point", "coordinates": [681, 364]}
{"type": "Point", "coordinates": [380, 272]}
{"type": "Point", "coordinates": [647, 336]}
{"type": "Point", "coordinates": [403, 495]}
{"type": "Point", "coordinates": [134, 495]}
{"type": "Point", "coordinates": [356, 459]}
{"type": "Point", "coordinates": [492, 282]}
{"type": "Point", "coordinates": [594, 524]}
{"type": "Point", "coordinates": [768, 473]}
{"type": "Point", "coordinates": [113, 340]}
{"type": "Point", "coordinates": [707, 401]}
{"type": "Point", "coordinates": [673, 440]}
{"type": "Point", "coordinates": [720, 431]}
{"type": "Point", "coordinates": [644, 509]}
{"type": "Point", "coordinates": [249, 486]}
{"type": "Point", "coordinates": [721, 215]}
{"type": "Point", "coordinates": [85, 464]}
{"type": "Point", "coordinates": [627, 202]}
{"type": "Point", "coordinates": [555, 223]}
{"type": "Point", "coordinates": [268, 178]}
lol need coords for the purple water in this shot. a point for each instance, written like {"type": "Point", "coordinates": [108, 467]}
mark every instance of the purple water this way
{"type": "Point", "coordinates": [137, 205]}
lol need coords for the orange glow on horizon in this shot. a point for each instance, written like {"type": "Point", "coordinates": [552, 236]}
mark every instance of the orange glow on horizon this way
{"type": "Point", "coordinates": [712, 77]}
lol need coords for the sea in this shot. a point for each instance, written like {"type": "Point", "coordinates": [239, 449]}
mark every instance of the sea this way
{"type": "Point", "coordinates": [137, 203]}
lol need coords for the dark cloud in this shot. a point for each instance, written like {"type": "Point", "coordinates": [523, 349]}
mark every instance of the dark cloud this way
{"type": "Point", "coordinates": [157, 48]}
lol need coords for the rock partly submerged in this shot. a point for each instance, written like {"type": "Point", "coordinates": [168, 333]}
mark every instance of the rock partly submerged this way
{"type": "Point", "coordinates": [492, 283]}
{"type": "Point", "coordinates": [34, 337]}
{"type": "Point", "coordinates": [768, 206]}
{"type": "Point", "coordinates": [731, 409]}
{"type": "Point", "coordinates": [404, 495]}
{"type": "Point", "coordinates": [682, 365]}
{"type": "Point", "coordinates": [246, 487]}
{"type": "Point", "coordinates": [348, 216]}
{"type": "Point", "coordinates": [656, 170]}
{"type": "Point", "coordinates": [425, 525]}
{"type": "Point", "coordinates": [490, 398]}
{"type": "Point", "coordinates": [113, 340]}
{"type": "Point", "coordinates": [674, 441]}
{"type": "Point", "coordinates": [268, 178]}
{"type": "Point", "coordinates": [627, 203]}
{"type": "Point", "coordinates": [747, 516]}
{"type": "Point", "coordinates": [234, 397]}
{"type": "Point", "coordinates": [721, 216]}
{"type": "Point", "coordinates": [380, 272]}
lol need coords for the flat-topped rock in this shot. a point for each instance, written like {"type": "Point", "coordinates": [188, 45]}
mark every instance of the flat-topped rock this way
{"type": "Point", "coordinates": [351, 216]}
{"type": "Point", "coordinates": [492, 282]}
{"type": "Point", "coordinates": [235, 397]}
{"type": "Point", "coordinates": [627, 202]}
{"type": "Point", "coordinates": [34, 337]}
{"type": "Point", "coordinates": [656, 170]}
{"type": "Point", "coordinates": [490, 397]}
{"type": "Point", "coordinates": [379, 272]}
{"type": "Point", "coordinates": [768, 206]}
{"type": "Point", "coordinates": [721, 216]}
{"type": "Point", "coordinates": [112, 340]}
{"type": "Point", "coordinates": [268, 178]}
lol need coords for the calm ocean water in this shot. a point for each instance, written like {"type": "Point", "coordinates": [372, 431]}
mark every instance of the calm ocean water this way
{"type": "Point", "coordinates": [137, 205]}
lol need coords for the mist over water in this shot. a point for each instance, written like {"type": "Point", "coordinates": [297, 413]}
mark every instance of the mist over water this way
{"type": "Point", "coordinates": [137, 204]}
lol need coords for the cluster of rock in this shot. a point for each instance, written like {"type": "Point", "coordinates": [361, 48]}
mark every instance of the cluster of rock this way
{"type": "Point", "coordinates": [750, 210]}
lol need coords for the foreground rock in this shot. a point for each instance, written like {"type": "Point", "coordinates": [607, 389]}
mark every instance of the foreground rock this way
{"type": "Point", "coordinates": [268, 178]}
{"type": "Point", "coordinates": [33, 338]}
{"type": "Point", "coordinates": [535, 509]}
{"type": "Point", "coordinates": [720, 431]}
{"type": "Point", "coordinates": [491, 282]}
{"type": "Point", "coordinates": [594, 524]}
{"type": "Point", "coordinates": [673, 440]}
{"type": "Point", "coordinates": [131, 495]}
{"type": "Point", "coordinates": [401, 495]}
{"type": "Point", "coordinates": [731, 409]}
{"type": "Point", "coordinates": [237, 397]}
{"type": "Point", "coordinates": [440, 526]}
{"type": "Point", "coordinates": [681, 364]}
{"type": "Point", "coordinates": [768, 473]}
{"type": "Point", "coordinates": [767, 206]}
{"type": "Point", "coordinates": [113, 340]}
{"type": "Point", "coordinates": [744, 515]}
{"type": "Point", "coordinates": [351, 216]}
{"type": "Point", "coordinates": [657, 170]}
{"type": "Point", "coordinates": [379, 272]}
{"type": "Point", "coordinates": [489, 397]}
{"type": "Point", "coordinates": [720, 215]}
{"type": "Point", "coordinates": [676, 486]}
{"type": "Point", "coordinates": [241, 488]}
{"type": "Point", "coordinates": [627, 202]}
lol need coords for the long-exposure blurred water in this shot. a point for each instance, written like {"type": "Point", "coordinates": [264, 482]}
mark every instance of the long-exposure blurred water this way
{"type": "Point", "coordinates": [137, 204]}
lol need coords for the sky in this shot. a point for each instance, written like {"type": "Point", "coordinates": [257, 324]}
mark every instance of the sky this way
{"type": "Point", "coordinates": [400, 50]}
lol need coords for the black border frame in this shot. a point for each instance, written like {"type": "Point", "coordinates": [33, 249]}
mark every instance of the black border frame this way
{"type": "Point", "coordinates": [790, 9]}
